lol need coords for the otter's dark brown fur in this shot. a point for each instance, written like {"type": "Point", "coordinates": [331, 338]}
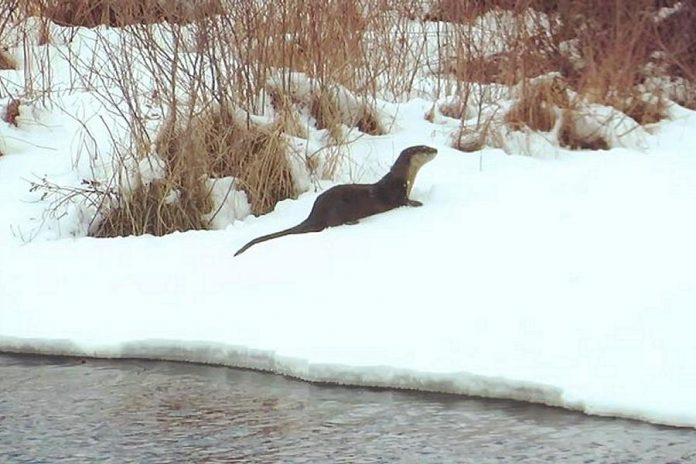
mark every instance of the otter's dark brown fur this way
{"type": "Point", "coordinates": [346, 204]}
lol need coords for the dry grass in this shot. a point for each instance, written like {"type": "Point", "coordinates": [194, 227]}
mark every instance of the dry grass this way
{"type": "Point", "coordinates": [211, 145]}
{"type": "Point", "coordinates": [526, 60]}
{"type": "Point", "coordinates": [641, 110]}
{"type": "Point", "coordinates": [600, 48]}
{"type": "Point", "coordinates": [330, 114]}
{"type": "Point", "coordinates": [676, 37]}
{"type": "Point", "coordinates": [456, 109]}
{"type": "Point", "coordinates": [617, 41]}
{"type": "Point", "coordinates": [6, 61]}
{"type": "Point", "coordinates": [216, 144]}
{"type": "Point", "coordinates": [11, 112]}
{"type": "Point", "coordinates": [471, 139]}
{"type": "Point", "coordinates": [119, 13]}
{"type": "Point", "coordinates": [323, 40]}
{"type": "Point", "coordinates": [570, 137]}
{"type": "Point", "coordinates": [538, 105]}
{"type": "Point", "coordinates": [332, 107]}
{"type": "Point", "coordinates": [151, 209]}
{"type": "Point", "coordinates": [352, 52]}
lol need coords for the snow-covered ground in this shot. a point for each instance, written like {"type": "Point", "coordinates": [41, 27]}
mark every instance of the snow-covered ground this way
{"type": "Point", "coordinates": [567, 279]}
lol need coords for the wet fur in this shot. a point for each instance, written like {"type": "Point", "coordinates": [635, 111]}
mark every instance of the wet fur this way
{"type": "Point", "coordinates": [347, 203]}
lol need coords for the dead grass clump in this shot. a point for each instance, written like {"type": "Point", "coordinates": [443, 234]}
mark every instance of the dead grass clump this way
{"type": "Point", "coordinates": [473, 137]}
{"type": "Point", "coordinates": [570, 137]}
{"type": "Point", "coordinates": [213, 144]}
{"type": "Point", "coordinates": [469, 140]}
{"type": "Point", "coordinates": [453, 11]}
{"type": "Point", "coordinates": [332, 107]}
{"type": "Point", "coordinates": [612, 44]}
{"type": "Point", "coordinates": [368, 122]}
{"type": "Point", "coordinates": [464, 11]}
{"type": "Point", "coordinates": [641, 110]}
{"type": "Point", "coordinates": [331, 111]}
{"type": "Point", "coordinates": [287, 119]}
{"type": "Point", "coordinates": [455, 109]}
{"type": "Point", "coordinates": [6, 61]}
{"type": "Point", "coordinates": [600, 48]}
{"type": "Point", "coordinates": [119, 13]}
{"type": "Point", "coordinates": [216, 144]}
{"type": "Point", "coordinates": [156, 209]}
{"type": "Point", "coordinates": [537, 106]}
{"type": "Point", "coordinates": [12, 112]}
{"type": "Point", "coordinates": [684, 93]}
{"type": "Point", "coordinates": [327, 114]}
{"type": "Point", "coordinates": [509, 67]}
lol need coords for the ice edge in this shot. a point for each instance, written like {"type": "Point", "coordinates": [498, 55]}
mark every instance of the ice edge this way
{"type": "Point", "coordinates": [221, 354]}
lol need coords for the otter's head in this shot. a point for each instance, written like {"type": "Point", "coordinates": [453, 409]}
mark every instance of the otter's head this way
{"type": "Point", "coordinates": [410, 161]}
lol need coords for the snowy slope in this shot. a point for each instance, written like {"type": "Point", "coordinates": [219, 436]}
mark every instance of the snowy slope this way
{"type": "Point", "coordinates": [568, 281]}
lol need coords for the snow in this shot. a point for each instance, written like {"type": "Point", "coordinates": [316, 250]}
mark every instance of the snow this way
{"type": "Point", "coordinates": [563, 278]}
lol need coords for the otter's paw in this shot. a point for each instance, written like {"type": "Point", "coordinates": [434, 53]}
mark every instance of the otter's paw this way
{"type": "Point", "coordinates": [414, 203]}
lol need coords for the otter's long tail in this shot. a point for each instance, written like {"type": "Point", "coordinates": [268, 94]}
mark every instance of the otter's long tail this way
{"type": "Point", "coordinates": [298, 229]}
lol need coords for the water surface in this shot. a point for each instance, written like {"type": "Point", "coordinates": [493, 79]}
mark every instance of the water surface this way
{"type": "Point", "coordinates": [69, 411]}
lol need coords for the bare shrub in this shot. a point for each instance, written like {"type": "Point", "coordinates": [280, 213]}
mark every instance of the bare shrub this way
{"type": "Point", "coordinates": [320, 39]}
{"type": "Point", "coordinates": [615, 42]}
{"type": "Point", "coordinates": [600, 48]}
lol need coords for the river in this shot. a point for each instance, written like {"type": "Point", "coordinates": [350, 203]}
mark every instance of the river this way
{"type": "Point", "coordinates": [68, 410]}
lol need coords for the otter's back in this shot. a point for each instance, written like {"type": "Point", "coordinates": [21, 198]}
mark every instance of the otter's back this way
{"type": "Point", "coordinates": [349, 202]}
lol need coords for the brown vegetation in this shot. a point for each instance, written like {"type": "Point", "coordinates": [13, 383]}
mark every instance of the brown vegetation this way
{"type": "Point", "coordinates": [6, 61]}
{"type": "Point", "coordinates": [211, 145]}
{"type": "Point", "coordinates": [330, 114]}
{"type": "Point", "coordinates": [539, 103]}
{"type": "Point", "coordinates": [600, 48]}
{"type": "Point", "coordinates": [119, 13]}
{"type": "Point", "coordinates": [352, 52]}
{"type": "Point", "coordinates": [570, 137]}
{"type": "Point", "coordinates": [12, 112]}
{"type": "Point", "coordinates": [216, 144]}
{"type": "Point", "coordinates": [149, 210]}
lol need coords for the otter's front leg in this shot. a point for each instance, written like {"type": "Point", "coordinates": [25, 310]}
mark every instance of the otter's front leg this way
{"type": "Point", "coordinates": [413, 203]}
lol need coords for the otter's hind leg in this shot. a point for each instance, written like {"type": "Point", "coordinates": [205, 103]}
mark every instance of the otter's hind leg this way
{"type": "Point", "coordinates": [414, 203]}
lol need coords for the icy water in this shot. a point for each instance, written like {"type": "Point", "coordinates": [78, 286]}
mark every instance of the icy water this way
{"type": "Point", "coordinates": [65, 410]}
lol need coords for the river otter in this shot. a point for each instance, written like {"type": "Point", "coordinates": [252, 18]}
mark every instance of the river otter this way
{"type": "Point", "coordinates": [345, 204]}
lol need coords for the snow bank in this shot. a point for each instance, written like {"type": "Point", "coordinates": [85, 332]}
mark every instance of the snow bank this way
{"type": "Point", "coordinates": [566, 282]}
